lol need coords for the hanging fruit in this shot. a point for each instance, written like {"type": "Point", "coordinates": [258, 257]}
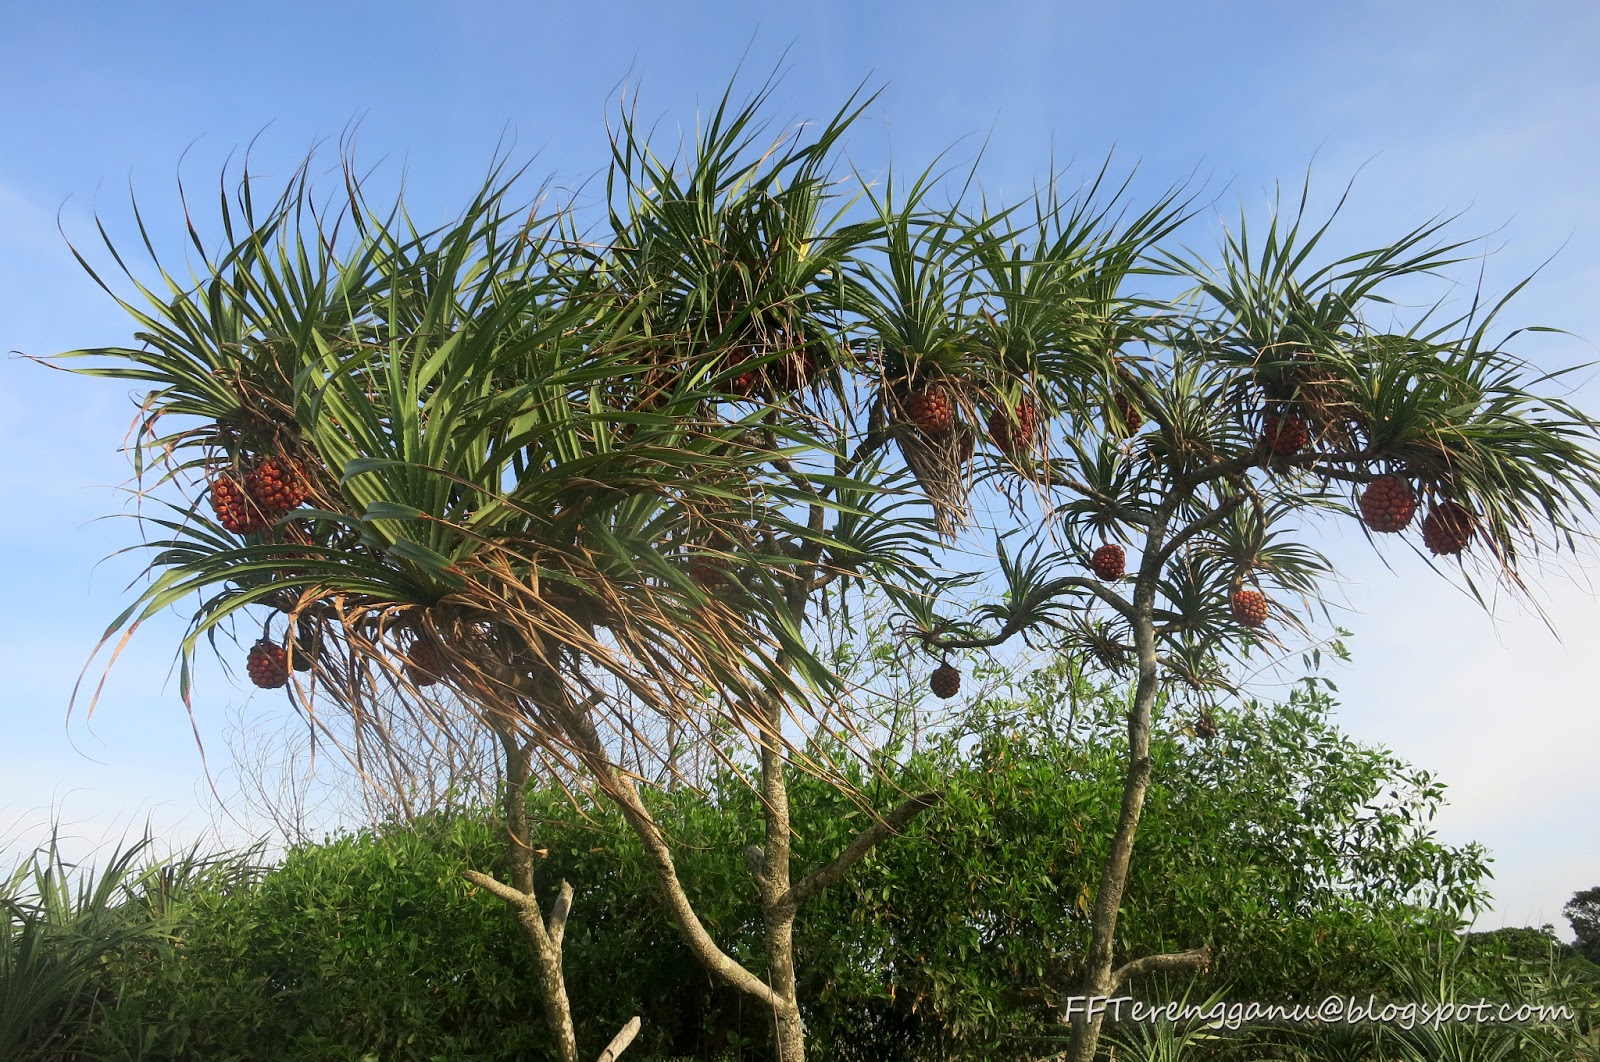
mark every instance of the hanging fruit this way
{"type": "Point", "coordinates": [277, 485]}
{"type": "Point", "coordinates": [1129, 418]}
{"type": "Point", "coordinates": [745, 377]}
{"type": "Point", "coordinates": [931, 409]}
{"type": "Point", "coordinates": [1448, 528]}
{"type": "Point", "coordinates": [1388, 504]}
{"type": "Point", "coordinates": [1013, 434]}
{"type": "Point", "coordinates": [233, 506]}
{"type": "Point", "coordinates": [1285, 435]}
{"type": "Point", "coordinates": [945, 682]}
{"type": "Point", "coordinates": [709, 573]}
{"type": "Point", "coordinates": [422, 663]}
{"type": "Point", "coordinates": [1109, 562]}
{"type": "Point", "coordinates": [1249, 607]}
{"type": "Point", "coordinates": [268, 664]}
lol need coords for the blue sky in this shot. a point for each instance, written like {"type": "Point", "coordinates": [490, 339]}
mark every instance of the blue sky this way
{"type": "Point", "coordinates": [1490, 110]}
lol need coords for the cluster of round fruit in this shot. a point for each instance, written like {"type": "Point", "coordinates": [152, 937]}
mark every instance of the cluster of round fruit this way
{"type": "Point", "coordinates": [1249, 607]}
{"type": "Point", "coordinates": [247, 504]}
{"type": "Point", "coordinates": [1388, 504]}
{"type": "Point", "coordinates": [931, 409]}
{"type": "Point", "coordinates": [268, 663]}
{"type": "Point", "coordinates": [789, 371]}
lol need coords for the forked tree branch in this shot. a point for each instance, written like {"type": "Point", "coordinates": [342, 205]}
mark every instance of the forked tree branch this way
{"type": "Point", "coordinates": [619, 1043]}
{"type": "Point", "coordinates": [1198, 959]}
{"type": "Point", "coordinates": [1107, 502]}
{"type": "Point", "coordinates": [1221, 512]}
{"type": "Point", "coordinates": [499, 888]}
{"type": "Point", "coordinates": [1100, 590]}
{"type": "Point", "coordinates": [864, 842]}
{"type": "Point", "coordinates": [616, 785]}
{"type": "Point", "coordinates": [1012, 627]}
{"type": "Point", "coordinates": [555, 925]}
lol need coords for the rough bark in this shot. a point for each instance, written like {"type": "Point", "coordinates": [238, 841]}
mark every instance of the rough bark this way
{"type": "Point", "coordinates": [620, 789]}
{"type": "Point", "coordinates": [1099, 978]}
{"type": "Point", "coordinates": [619, 1043]}
{"type": "Point", "coordinates": [1198, 959]}
{"type": "Point", "coordinates": [545, 935]}
{"type": "Point", "coordinates": [777, 904]}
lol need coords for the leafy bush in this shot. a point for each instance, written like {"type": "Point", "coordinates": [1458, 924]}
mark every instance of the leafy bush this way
{"type": "Point", "coordinates": [64, 928]}
{"type": "Point", "coordinates": [1300, 857]}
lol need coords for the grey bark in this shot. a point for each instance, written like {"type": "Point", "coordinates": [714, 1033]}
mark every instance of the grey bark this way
{"type": "Point", "coordinates": [778, 905]}
{"type": "Point", "coordinates": [545, 935]}
{"type": "Point", "coordinates": [1099, 978]}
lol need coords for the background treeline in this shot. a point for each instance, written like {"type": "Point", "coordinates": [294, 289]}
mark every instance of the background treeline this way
{"type": "Point", "coordinates": [1302, 858]}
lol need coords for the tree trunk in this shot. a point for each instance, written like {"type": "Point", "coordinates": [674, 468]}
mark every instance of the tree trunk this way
{"type": "Point", "coordinates": [771, 867]}
{"type": "Point", "coordinates": [545, 938]}
{"type": "Point", "coordinates": [1098, 977]}
{"type": "Point", "coordinates": [778, 903]}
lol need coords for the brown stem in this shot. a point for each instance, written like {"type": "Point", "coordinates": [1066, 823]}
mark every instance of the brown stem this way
{"type": "Point", "coordinates": [885, 827]}
{"type": "Point", "coordinates": [1197, 959]}
{"type": "Point", "coordinates": [620, 789]}
{"type": "Point", "coordinates": [1098, 978]}
{"type": "Point", "coordinates": [619, 1043]}
{"type": "Point", "coordinates": [1211, 519]}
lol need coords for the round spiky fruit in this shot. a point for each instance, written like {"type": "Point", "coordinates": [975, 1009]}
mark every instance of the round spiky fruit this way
{"type": "Point", "coordinates": [1388, 504]}
{"type": "Point", "coordinates": [422, 663]}
{"type": "Point", "coordinates": [1249, 607]}
{"type": "Point", "coordinates": [931, 409]}
{"type": "Point", "coordinates": [267, 664]}
{"type": "Point", "coordinates": [1127, 413]}
{"type": "Point", "coordinates": [277, 485]}
{"type": "Point", "coordinates": [233, 506]}
{"type": "Point", "coordinates": [1285, 435]}
{"type": "Point", "coordinates": [1013, 433]}
{"type": "Point", "coordinates": [1109, 562]}
{"type": "Point", "coordinates": [945, 682]}
{"type": "Point", "coordinates": [1448, 528]}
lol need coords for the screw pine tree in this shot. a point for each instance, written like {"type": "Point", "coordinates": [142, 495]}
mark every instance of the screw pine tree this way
{"type": "Point", "coordinates": [593, 480]}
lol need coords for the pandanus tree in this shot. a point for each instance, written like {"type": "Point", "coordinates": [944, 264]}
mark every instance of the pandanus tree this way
{"type": "Point", "coordinates": [508, 475]}
{"type": "Point", "coordinates": [587, 486]}
{"type": "Point", "coordinates": [1275, 391]}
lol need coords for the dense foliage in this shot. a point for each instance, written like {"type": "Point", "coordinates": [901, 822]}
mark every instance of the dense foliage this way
{"type": "Point", "coordinates": [962, 932]}
{"type": "Point", "coordinates": [592, 470]}
{"type": "Point", "coordinates": [1583, 911]}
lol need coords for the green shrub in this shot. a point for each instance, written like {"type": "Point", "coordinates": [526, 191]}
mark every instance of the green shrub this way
{"type": "Point", "coordinates": [1300, 857]}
